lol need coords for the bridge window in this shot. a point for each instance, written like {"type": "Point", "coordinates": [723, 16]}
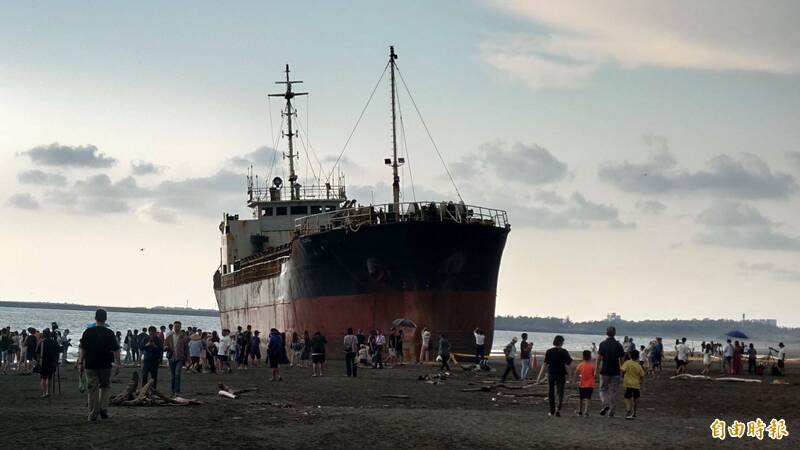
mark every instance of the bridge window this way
{"type": "Point", "coordinates": [316, 209]}
{"type": "Point", "coordinates": [280, 210]}
{"type": "Point", "coordinates": [298, 210]}
{"type": "Point", "coordinates": [266, 211]}
{"type": "Point", "coordinates": [330, 208]}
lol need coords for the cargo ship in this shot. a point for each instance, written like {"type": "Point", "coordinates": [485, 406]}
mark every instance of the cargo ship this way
{"type": "Point", "coordinates": [310, 259]}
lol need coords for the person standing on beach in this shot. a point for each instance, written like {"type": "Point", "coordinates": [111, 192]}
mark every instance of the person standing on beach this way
{"type": "Point", "coordinates": [65, 345]}
{"type": "Point", "coordinates": [738, 350]}
{"type": "Point", "coordinates": [254, 349]}
{"type": "Point", "coordinates": [682, 357]}
{"type": "Point", "coordinates": [98, 349]}
{"type": "Point", "coordinates": [350, 351]}
{"type": "Point", "coordinates": [391, 341]}
{"type": "Point", "coordinates": [306, 354]}
{"type": "Point", "coordinates": [609, 359]}
{"type": "Point", "coordinates": [424, 351]}
{"type": "Point", "coordinates": [727, 355]}
{"type": "Point", "coordinates": [587, 371]}
{"type": "Point", "coordinates": [48, 360]}
{"type": "Point", "coordinates": [30, 348]}
{"type": "Point", "coordinates": [510, 351]}
{"type": "Point", "coordinates": [274, 346]}
{"type": "Point", "coordinates": [318, 343]}
{"type": "Point", "coordinates": [224, 351]}
{"type": "Point", "coordinates": [5, 346]}
{"type": "Point", "coordinates": [751, 359]}
{"type": "Point", "coordinates": [707, 349]}
{"type": "Point", "coordinates": [781, 358]}
{"type": "Point", "coordinates": [380, 342]}
{"type": "Point", "coordinates": [556, 363]}
{"type": "Point", "coordinates": [480, 351]}
{"type": "Point", "coordinates": [525, 348]}
{"type": "Point", "coordinates": [634, 374]}
{"type": "Point", "coordinates": [152, 348]}
{"type": "Point", "coordinates": [135, 346]}
{"type": "Point", "coordinates": [176, 355]}
{"type": "Point", "coordinates": [444, 353]}
{"type": "Point", "coordinates": [656, 355]}
{"type": "Point", "coordinates": [398, 347]}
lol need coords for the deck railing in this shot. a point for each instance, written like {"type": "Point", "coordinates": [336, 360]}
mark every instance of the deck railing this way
{"type": "Point", "coordinates": [356, 217]}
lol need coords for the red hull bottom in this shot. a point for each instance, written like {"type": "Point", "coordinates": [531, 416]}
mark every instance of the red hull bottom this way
{"type": "Point", "coordinates": [455, 314]}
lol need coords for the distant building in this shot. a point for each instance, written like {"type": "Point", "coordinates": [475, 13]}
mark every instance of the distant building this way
{"type": "Point", "coordinates": [613, 317]}
{"type": "Point", "coordinates": [770, 322]}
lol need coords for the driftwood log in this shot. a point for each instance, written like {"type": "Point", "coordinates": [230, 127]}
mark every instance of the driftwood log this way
{"type": "Point", "coordinates": [129, 392]}
{"type": "Point", "coordinates": [236, 392]}
{"type": "Point", "coordinates": [147, 395]}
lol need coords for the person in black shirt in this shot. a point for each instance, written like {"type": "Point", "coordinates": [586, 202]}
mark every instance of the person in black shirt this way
{"type": "Point", "coordinates": [556, 362]}
{"type": "Point", "coordinates": [99, 349]}
{"type": "Point", "coordinates": [609, 359]}
{"type": "Point", "coordinates": [48, 360]}
{"type": "Point", "coordinates": [152, 347]}
{"type": "Point", "coordinates": [31, 342]}
{"type": "Point", "coordinates": [318, 353]}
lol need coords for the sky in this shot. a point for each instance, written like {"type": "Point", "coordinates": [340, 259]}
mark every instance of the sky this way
{"type": "Point", "coordinates": [648, 153]}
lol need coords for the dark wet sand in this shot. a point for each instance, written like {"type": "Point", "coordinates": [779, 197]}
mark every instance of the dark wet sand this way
{"type": "Point", "coordinates": [339, 412]}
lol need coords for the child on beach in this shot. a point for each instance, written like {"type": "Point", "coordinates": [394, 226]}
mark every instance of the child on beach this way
{"type": "Point", "coordinates": [632, 382]}
{"type": "Point", "coordinates": [586, 370]}
{"type": "Point", "coordinates": [363, 356]}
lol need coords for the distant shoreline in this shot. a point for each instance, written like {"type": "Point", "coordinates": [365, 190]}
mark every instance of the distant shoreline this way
{"type": "Point", "coordinates": [133, 309]}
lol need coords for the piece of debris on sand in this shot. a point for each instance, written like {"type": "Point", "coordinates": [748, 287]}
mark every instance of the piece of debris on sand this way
{"type": "Point", "coordinates": [147, 395]}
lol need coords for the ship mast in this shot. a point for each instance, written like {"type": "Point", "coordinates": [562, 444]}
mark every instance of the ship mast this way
{"type": "Point", "coordinates": [395, 176]}
{"type": "Point", "coordinates": [288, 113]}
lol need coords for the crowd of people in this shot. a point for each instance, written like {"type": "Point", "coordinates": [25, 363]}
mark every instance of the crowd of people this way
{"type": "Point", "coordinates": [615, 361]}
{"type": "Point", "coordinates": [199, 351]}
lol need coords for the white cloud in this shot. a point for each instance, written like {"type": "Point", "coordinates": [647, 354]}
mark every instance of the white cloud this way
{"type": "Point", "coordinates": [23, 201]}
{"type": "Point", "coordinates": [651, 207]}
{"type": "Point", "coordinates": [736, 225]}
{"type": "Point", "coordinates": [56, 154]}
{"type": "Point", "coordinates": [139, 167]}
{"type": "Point", "coordinates": [745, 176]}
{"type": "Point", "coordinates": [571, 39]}
{"type": "Point", "coordinates": [779, 273]}
{"type": "Point", "coordinates": [154, 213]}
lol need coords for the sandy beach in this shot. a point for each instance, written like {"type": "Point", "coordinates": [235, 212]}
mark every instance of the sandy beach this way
{"type": "Point", "coordinates": [390, 408]}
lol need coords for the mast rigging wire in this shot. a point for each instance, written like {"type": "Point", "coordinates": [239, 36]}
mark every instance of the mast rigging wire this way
{"type": "Point", "coordinates": [360, 116]}
{"type": "Point", "coordinates": [404, 141]}
{"type": "Point", "coordinates": [435, 147]}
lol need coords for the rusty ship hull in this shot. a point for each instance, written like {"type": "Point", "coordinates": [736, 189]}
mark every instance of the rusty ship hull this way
{"type": "Point", "coordinates": [441, 275]}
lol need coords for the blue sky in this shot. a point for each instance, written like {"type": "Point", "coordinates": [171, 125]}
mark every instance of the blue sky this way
{"type": "Point", "coordinates": [553, 111]}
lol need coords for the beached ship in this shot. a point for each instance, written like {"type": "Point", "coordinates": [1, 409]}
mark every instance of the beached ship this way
{"type": "Point", "coordinates": [311, 259]}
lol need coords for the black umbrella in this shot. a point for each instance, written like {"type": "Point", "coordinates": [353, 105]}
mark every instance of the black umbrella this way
{"type": "Point", "coordinates": [737, 334]}
{"type": "Point", "coordinates": [405, 323]}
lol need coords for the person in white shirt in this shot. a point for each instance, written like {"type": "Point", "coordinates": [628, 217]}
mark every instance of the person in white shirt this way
{"type": "Point", "coordinates": [224, 350]}
{"type": "Point", "coordinates": [480, 352]}
{"type": "Point", "coordinates": [425, 352]}
{"type": "Point", "coordinates": [781, 358]}
{"type": "Point", "coordinates": [727, 353]}
{"type": "Point", "coordinates": [380, 341]}
{"type": "Point", "coordinates": [682, 351]}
